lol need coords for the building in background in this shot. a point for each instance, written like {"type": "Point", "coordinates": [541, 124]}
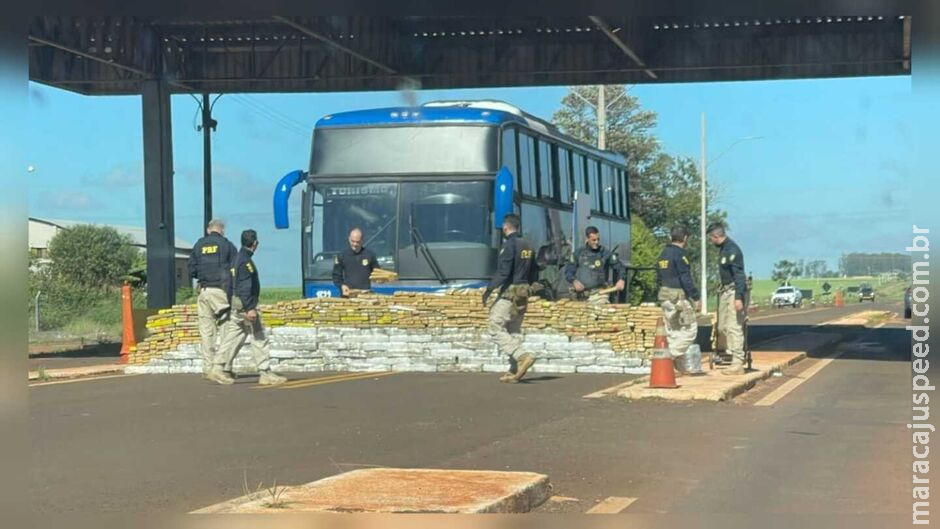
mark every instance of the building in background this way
{"type": "Point", "coordinates": [41, 231]}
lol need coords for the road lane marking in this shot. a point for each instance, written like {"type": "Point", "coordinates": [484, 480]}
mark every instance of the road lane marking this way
{"type": "Point", "coordinates": [307, 382]}
{"type": "Point", "coordinates": [788, 313]}
{"type": "Point", "coordinates": [611, 505]}
{"type": "Point", "coordinates": [83, 379]}
{"type": "Point", "coordinates": [302, 381]}
{"type": "Point", "coordinates": [788, 386]}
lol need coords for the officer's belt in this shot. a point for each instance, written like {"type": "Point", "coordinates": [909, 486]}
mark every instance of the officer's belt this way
{"type": "Point", "coordinates": [680, 291]}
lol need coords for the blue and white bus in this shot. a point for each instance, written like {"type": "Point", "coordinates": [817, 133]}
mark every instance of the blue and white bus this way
{"type": "Point", "coordinates": [429, 186]}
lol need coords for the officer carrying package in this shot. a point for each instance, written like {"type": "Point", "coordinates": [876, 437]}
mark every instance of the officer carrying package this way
{"type": "Point", "coordinates": [516, 274]}
{"type": "Point", "coordinates": [677, 292]}
{"type": "Point", "coordinates": [591, 267]}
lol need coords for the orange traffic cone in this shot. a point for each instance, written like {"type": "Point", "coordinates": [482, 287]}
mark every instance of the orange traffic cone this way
{"type": "Point", "coordinates": [662, 373]}
{"type": "Point", "coordinates": [840, 301]}
{"type": "Point", "coordinates": [128, 317]}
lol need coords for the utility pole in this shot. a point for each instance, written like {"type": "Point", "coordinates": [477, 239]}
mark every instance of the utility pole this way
{"type": "Point", "coordinates": [704, 276]}
{"type": "Point", "coordinates": [600, 109]}
{"type": "Point", "coordinates": [601, 118]}
{"type": "Point", "coordinates": [208, 125]}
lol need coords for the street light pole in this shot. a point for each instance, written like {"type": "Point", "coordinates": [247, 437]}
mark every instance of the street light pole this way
{"type": "Point", "coordinates": [703, 263]}
{"type": "Point", "coordinates": [704, 219]}
{"type": "Point", "coordinates": [601, 118]}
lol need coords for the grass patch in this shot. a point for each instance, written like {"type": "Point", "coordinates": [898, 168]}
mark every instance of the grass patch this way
{"type": "Point", "coordinates": [877, 318]}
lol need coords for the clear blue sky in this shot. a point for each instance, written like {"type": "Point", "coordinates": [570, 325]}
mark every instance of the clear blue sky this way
{"type": "Point", "coordinates": [832, 174]}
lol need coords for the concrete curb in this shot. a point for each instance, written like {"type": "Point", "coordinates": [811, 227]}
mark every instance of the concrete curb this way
{"type": "Point", "coordinates": [628, 390]}
{"type": "Point", "coordinates": [397, 490]}
{"type": "Point", "coordinates": [76, 372]}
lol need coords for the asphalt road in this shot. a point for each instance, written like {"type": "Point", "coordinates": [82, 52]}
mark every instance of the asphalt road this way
{"type": "Point", "coordinates": [175, 443]}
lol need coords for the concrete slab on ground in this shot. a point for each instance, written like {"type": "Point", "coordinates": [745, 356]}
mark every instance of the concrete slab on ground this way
{"type": "Point", "coordinates": [77, 372]}
{"type": "Point", "coordinates": [776, 355]}
{"type": "Point", "coordinates": [398, 490]}
{"type": "Point", "coordinates": [862, 318]}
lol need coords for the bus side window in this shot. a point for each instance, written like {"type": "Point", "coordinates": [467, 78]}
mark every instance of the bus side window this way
{"type": "Point", "coordinates": [546, 171]}
{"type": "Point", "coordinates": [580, 182]}
{"type": "Point", "coordinates": [564, 174]}
{"type": "Point", "coordinates": [509, 153]}
{"type": "Point", "coordinates": [527, 165]}
{"type": "Point", "coordinates": [625, 193]}
{"type": "Point", "coordinates": [597, 191]}
{"type": "Point", "coordinates": [607, 185]}
{"type": "Point", "coordinates": [617, 197]}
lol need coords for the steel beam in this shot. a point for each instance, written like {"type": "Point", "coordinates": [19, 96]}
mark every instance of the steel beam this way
{"type": "Point", "coordinates": [329, 42]}
{"type": "Point", "coordinates": [599, 22]}
{"type": "Point", "coordinates": [109, 62]}
{"type": "Point", "coordinates": [158, 194]}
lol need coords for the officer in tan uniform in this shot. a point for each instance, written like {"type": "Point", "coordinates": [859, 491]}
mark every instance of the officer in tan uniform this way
{"type": "Point", "coordinates": [678, 296]}
{"type": "Point", "coordinates": [732, 294]}
{"type": "Point", "coordinates": [244, 319]}
{"type": "Point", "coordinates": [209, 265]}
{"type": "Point", "coordinates": [515, 272]}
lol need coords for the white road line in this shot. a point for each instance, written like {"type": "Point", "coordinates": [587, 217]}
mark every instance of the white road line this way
{"type": "Point", "coordinates": [787, 313]}
{"type": "Point", "coordinates": [82, 379]}
{"type": "Point", "coordinates": [611, 505]}
{"type": "Point", "coordinates": [777, 394]}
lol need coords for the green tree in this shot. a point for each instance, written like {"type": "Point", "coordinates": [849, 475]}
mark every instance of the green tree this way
{"type": "Point", "coordinates": [91, 257]}
{"type": "Point", "coordinates": [646, 248]}
{"type": "Point", "coordinates": [664, 190]}
{"type": "Point", "coordinates": [785, 270]}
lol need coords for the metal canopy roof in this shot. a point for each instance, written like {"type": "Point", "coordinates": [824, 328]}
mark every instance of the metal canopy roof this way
{"type": "Point", "coordinates": [111, 55]}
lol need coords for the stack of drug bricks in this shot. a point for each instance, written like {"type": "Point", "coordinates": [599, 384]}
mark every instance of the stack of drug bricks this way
{"type": "Point", "coordinates": [628, 329]}
{"type": "Point", "coordinates": [166, 331]}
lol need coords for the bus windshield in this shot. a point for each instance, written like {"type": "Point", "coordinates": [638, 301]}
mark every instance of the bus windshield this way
{"type": "Point", "coordinates": [450, 218]}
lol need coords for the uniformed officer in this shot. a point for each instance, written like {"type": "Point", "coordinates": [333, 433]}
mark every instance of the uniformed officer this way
{"type": "Point", "coordinates": [352, 267]}
{"type": "Point", "coordinates": [731, 298]}
{"type": "Point", "coordinates": [678, 296]}
{"type": "Point", "coordinates": [209, 265]}
{"type": "Point", "coordinates": [591, 266]}
{"type": "Point", "coordinates": [515, 272]}
{"type": "Point", "coordinates": [244, 319]}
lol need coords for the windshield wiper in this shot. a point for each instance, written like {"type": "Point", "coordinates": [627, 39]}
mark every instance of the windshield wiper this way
{"type": "Point", "coordinates": [418, 241]}
{"type": "Point", "coordinates": [383, 228]}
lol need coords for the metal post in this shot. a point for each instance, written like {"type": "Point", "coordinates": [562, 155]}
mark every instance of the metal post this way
{"type": "Point", "coordinates": [158, 194]}
{"type": "Point", "coordinates": [207, 126]}
{"type": "Point", "coordinates": [601, 118]}
{"type": "Point", "coordinates": [36, 306]}
{"type": "Point", "coordinates": [704, 220]}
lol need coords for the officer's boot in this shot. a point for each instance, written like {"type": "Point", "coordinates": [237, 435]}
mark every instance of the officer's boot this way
{"type": "Point", "coordinates": [218, 376]}
{"type": "Point", "coordinates": [511, 372]}
{"type": "Point", "coordinates": [525, 362]}
{"type": "Point", "coordinates": [269, 378]}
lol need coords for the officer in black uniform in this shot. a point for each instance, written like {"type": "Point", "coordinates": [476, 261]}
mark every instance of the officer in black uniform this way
{"type": "Point", "coordinates": [209, 265]}
{"type": "Point", "coordinates": [732, 293]}
{"type": "Point", "coordinates": [591, 265]}
{"type": "Point", "coordinates": [515, 272]}
{"type": "Point", "coordinates": [352, 267]}
{"type": "Point", "coordinates": [245, 319]}
{"type": "Point", "coordinates": [678, 296]}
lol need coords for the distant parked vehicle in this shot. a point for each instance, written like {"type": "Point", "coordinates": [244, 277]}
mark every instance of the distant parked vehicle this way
{"type": "Point", "coordinates": [787, 296]}
{"type": "Point", "coordinates": [908, 302]}
{"type": "Point", "coordinates": [866, 293]}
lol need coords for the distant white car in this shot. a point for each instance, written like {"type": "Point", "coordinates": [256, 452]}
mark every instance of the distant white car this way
{"type": "Point", "coordinates": [787, 296]}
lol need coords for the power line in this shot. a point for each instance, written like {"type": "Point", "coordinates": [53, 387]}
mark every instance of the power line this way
{"type": "Point", "coordinates": [284, 122]}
